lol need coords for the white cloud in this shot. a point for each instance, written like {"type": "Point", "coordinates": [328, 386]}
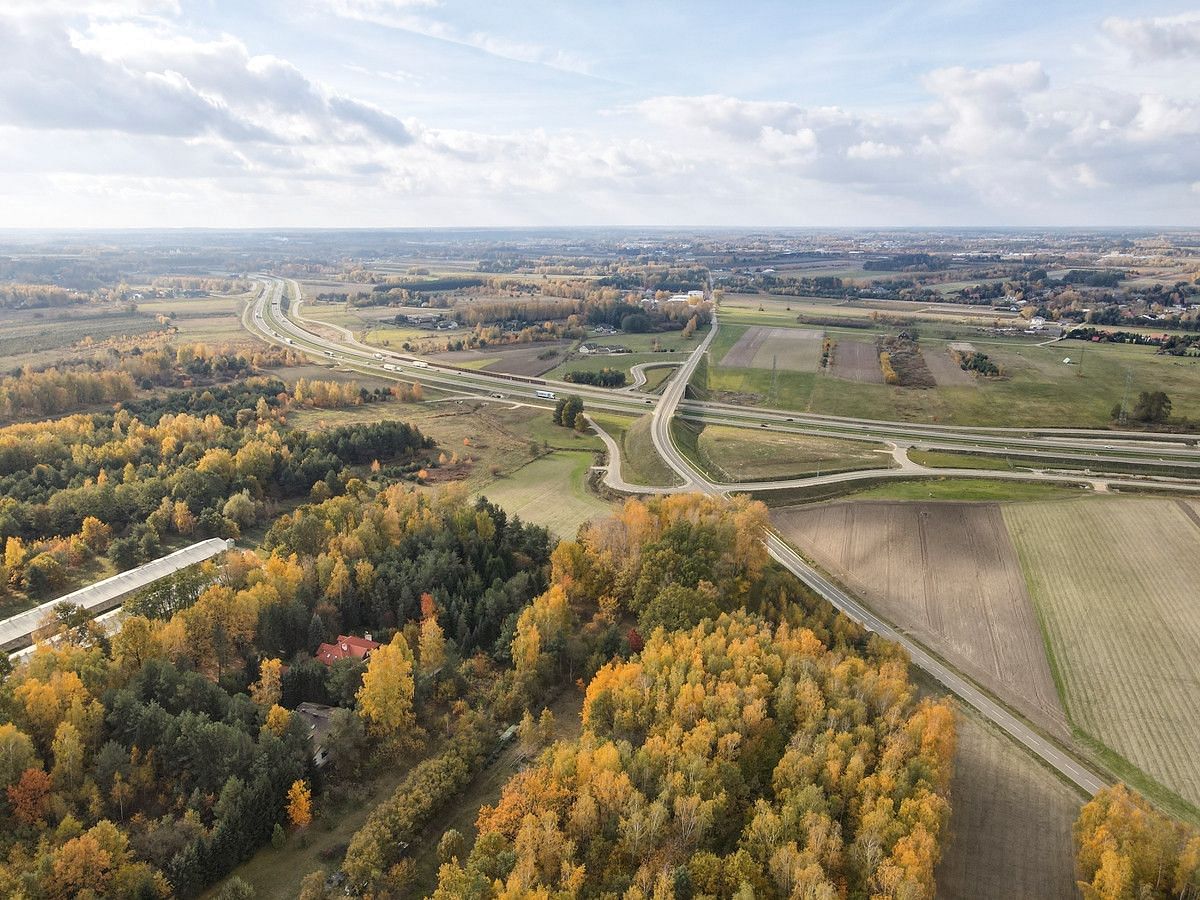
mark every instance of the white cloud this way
{"type": "Point", "coordinates": [145, 79]}
{"type": "Point", "coordinates": [1150, 39]}
{"type": "Point", "coordinates": [134, 111]}
{"type": "Point", "coordinates": [868, 150]}
{"type": "Point", "coordinates": [1003, 138]}
{"type": "Point", "coordinates": [405, 15]}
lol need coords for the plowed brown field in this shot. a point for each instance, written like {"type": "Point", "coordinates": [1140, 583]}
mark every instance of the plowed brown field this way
{"type": "Point", "coordinates": [1009, 836]}
{"type": "Point", "coordinates": [946, 572]}
{"type": "Point", "coordinates": [857, 361]}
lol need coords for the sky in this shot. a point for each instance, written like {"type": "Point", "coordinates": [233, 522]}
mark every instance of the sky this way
{"type": "Point", "coordinates": [419, 113]}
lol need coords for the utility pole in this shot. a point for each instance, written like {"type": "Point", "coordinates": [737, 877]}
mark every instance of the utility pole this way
{"type": "Point", "coordinates": [1124, 417]}
{"type": "Point", "coordinates": [774, 379]}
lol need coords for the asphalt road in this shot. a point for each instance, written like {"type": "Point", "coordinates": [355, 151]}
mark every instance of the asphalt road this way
{"type": "Point", "coordinates": [1084, 448]}
{"type": "Point", "coordinates": [664, 412]}
{"type": "Point", "coordinates": [1056, 443]}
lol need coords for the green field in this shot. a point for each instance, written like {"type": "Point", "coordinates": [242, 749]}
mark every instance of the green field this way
{"type": "Point", "coordinates": [640, 462]}
{"type": "Point", "coordinates": [968, 489]}
{"type": "Point", "coordinates": [550, 491]}
{"type": "Point", "coordinates": [655, 377]}
{"type": "Point", "coordinates": [947, 459]}
{"type": "Point", "coordinates": [1037, 387]}
{"type": "Point", "coordinates": [728, 454]}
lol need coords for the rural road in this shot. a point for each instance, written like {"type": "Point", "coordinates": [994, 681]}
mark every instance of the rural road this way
{"type": "Point", "coordinates": [1053, 442]}
{"type": "Point", "coordinates": [638, 372]}
{"type": "Point", "coordinates": [793, 562]}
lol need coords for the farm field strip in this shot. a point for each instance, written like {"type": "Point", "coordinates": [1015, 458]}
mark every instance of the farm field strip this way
{"type": "Point", "coordinates": [857, 361]}
{"type": "Point", "coordinates": [1123, 620]}
{"type": "Point", "coordinates": [946, 572]}
{"type": "Point", "coordinates": [794, 349]}
{"type": "Point", "coordinates": [1009, 834]}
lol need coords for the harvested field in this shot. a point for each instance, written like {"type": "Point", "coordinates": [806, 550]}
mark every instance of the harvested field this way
{"type": "Point", "coordinates": [857, 361]}
{"type": "Point", "coordinates": [946, 572]}
{"type": "Point", "coordinates": [1110, 579]}
{"type": "Point", "coordinates": [792, 349]}
{"type": "Point", "coordinates": [1009, 836]}
{"type": "Point", "coordinates": [946, 372]}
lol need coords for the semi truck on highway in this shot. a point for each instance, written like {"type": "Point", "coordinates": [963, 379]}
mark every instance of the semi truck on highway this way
{"type": "Point", "coordinates": [545, 395]}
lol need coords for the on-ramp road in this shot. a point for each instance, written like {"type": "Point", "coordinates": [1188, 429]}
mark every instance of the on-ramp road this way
{"type": "Point", "coordinates": [660, 432]}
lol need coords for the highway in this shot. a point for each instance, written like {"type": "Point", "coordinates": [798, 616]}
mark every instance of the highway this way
{"type": "Point", "coordinates": [784, 554]}
{"type": "Point", "coordinates": [17, 631]}
{"type": "Point", "coordinates": [270, 321]}
{"type": "Point", "coordinates": [1080, 449]}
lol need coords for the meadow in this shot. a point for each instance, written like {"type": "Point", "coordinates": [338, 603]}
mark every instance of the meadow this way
{"type": "Point", "coordinates": [1037, 387]}
{"type": "Point", "coordinates": [550, 491]}
{"type": "Point", "coordinates": [640, 462]}
{"type": "Point", "coordinates": [729, 454]}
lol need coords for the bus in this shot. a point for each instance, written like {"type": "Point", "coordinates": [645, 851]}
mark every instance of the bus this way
{"type": "Point", "coordinates": [545, 395]}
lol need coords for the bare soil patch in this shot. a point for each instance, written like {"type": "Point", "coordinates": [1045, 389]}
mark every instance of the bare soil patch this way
{"type": "Point", "coordinates": [857, 361]}
{"type": "Point", "coordinates": [947, 572]}
{"type": "Point", "coordinates": [1009, 836]}
{"type": "Point", "coordinates": [946, 372]}
{"type": "Point", "coordinates": [791, 349]}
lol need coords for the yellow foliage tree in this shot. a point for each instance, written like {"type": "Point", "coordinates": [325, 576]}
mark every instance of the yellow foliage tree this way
{"type": "Point", "coordinates": [269, 688]}
{"type": "Point", "coordinates": [385, 700]}
{"type": "Point", "coordinates": [299, 807]}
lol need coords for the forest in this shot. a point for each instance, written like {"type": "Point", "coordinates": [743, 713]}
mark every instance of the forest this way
{"type": "Point", "coordinates": [112, 484]}
{"type": "Point", "coordinates": [739, 738]}
{"type": "Point", "coordinates": [152, 762]}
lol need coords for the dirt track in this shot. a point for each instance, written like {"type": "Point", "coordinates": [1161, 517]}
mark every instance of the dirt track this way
{"type": "Point", "coordinates": [857, 361]}
{"type": "Point", "coordinates": [946, 572]}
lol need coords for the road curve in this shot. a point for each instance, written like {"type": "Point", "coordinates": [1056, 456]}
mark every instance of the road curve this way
{"type": "Point", "coordinates": [664, 409]}
{"type": "Point", "coordinates": [791, 560]}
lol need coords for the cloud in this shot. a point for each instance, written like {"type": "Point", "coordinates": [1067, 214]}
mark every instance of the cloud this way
{"type": "Point", "coordinates": [89, 9]}
{"type": "Point", "coordinates": [132, 110]}
{"type": "Point", "coordinates": [405, 15]}
{"type": "Point", "coordinates": [1149, 39]}
{"type": "Point", "coordinates": [1003, 138]}
{"type": "Point", "coordinates": [144, 79]}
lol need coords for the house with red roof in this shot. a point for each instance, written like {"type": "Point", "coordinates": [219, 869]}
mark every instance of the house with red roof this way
{"type": "Point", "coordinates": [346, 647]}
